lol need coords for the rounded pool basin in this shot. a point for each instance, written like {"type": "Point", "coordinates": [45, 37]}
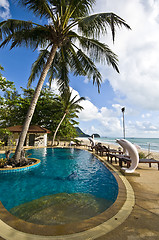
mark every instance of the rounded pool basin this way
{"type": "Point", "coordinates": [67, 178]}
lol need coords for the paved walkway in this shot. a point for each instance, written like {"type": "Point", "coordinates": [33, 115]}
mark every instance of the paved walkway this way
{"type": "Point", "coordinates": [143, 222]}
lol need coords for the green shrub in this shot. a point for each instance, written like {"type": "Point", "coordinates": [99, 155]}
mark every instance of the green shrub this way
{"type": "Point", "coordinates": [3, 161]}
{"type": "Point", "coordinates": [142, 155]}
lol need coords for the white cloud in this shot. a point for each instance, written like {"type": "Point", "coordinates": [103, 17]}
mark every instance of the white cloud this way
{"type": "Point", "coordinates": [137, 85]}
{"type": "Point", "coordinates": [90, 111]}
{"type": "Point", "coordinates": [108, 121]}
{"type": "Point", "coordinates": [54, 87]}
{"type": "Point", "coordinates": [146, 126]}
{"type": "Point", "coordinates": [137, 51]}
{"type": "Point", "coordinates": [147, 115]}
{"type": "Point", "coordinates": [4, 9]}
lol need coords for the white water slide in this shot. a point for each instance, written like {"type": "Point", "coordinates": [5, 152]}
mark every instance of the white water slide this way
{"type": "Point", "coordinates": [133, 153]}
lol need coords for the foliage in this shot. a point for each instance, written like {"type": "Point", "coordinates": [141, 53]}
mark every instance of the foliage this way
{"type": "Point", "coordinates": [3, 162]}
{"type": "Point", "coordinates": [5, 84]}
{"type": "Point", "coordinates": [1, 143]}
{"type": "Point", "coordinates": [69, 106]}
{"type": "Point", "coordinates": [4, 134]}
{"type": "Point", "coordinates": [63, 16]}
{"type": "Point", "coordinates": [48, 113]}
{"type": "Point", "coordinates": [63, 49]}
{"type": "Point", "coordinates": [142, 155]}
{"type": "Point", "coordinates": [66, 131]}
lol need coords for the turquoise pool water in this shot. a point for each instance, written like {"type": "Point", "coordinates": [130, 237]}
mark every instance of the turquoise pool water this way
{"type": "Point", "coordinates": [52, 177]}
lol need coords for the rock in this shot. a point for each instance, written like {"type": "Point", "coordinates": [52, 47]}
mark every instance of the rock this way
{"type": "Point", "coordinates": [8, 166]}
{"type": "Point", "coordinates": [96, 135]}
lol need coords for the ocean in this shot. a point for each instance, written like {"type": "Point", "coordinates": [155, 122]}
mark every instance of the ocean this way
{"type": "Point", "coordinates": [149, 144]}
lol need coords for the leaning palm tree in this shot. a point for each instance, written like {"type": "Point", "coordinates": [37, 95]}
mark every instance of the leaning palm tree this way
{"type": "Point", "coordinates": [62, 47]}
{"type": "Point", "coordinates": [68, 105]}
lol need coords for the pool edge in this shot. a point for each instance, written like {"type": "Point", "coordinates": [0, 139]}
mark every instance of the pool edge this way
{"type": "Point", "coordinates": [20, 169]}
{"type": "Point", "coordinates": [8, 231]}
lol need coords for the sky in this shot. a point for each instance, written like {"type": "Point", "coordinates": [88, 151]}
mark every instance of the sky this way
{"type": "Point", "coordinates": [136, 87]}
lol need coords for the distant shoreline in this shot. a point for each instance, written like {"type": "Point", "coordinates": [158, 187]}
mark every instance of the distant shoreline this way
{"type": "Point", "coordinates": [144, 143]}
{"type": "Point", "coordinates": [154, 154]}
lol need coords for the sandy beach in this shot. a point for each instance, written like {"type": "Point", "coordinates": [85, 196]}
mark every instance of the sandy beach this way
{"type": "Point", "coordinates": [85, 141]}
{"type": "Point", "coordinates": [142, 223]}
{"type": "Point", "coordinates": [153, 154]}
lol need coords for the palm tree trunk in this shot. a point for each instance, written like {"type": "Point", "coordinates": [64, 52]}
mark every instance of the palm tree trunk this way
{"type": "Point", "coordinates": [58, 128]}
{"type": "Point", "coordinates": [33, 104]}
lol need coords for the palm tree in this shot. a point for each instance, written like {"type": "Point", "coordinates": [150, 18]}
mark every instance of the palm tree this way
{"type": "Point", "coordinates": [58, 40]}
{"type": "Point", "coordinates": [68, 106]}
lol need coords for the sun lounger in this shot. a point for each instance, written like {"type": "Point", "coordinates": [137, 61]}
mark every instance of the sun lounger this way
{"type": "Point", "coordinates": [116, 156]}
{"type": "Point", "coordinates": [149, 161]}
{"type": "Point", "coordinates": [141, 160]}
{"type": "Point", "coordinates": [101, 149]}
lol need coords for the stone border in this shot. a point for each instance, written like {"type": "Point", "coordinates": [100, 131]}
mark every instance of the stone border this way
{"type": "Point", "coordinates": [13, 228]}
{"type": "Point", "coordinates": [19, 169]}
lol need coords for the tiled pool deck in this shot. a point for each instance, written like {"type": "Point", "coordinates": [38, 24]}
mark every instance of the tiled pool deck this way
{"type": "Point", "coordinates": [109, 225]}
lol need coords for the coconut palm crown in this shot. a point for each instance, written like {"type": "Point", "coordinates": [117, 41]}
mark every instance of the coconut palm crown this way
{"type": "Point", "coordinates": [64, 49]}
{"type": "Point", "coordinates": [68, 105]}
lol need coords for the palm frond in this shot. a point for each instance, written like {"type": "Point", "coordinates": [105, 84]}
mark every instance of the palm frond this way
{"type": "Point", "coordinates": [1, 25]}
{"type": "Point", "coordinates": [23, 33]}
{"type": "Point", "coordinates": [34, 38]}
{"type": "Point", "coordinates": [39, 7]}
{"type": "Point", "coordinates": [75, 101]}
{"type": "Point", "coordinates": [63, 79]}
{"type": "Point", "coordinates": [78, 8]}
{"type": "Point", "coordinates": [94, 25]}
{"type": "Point", "coordinates": [74, 62]}
{"type": "Point", "coordinates": [12, 25]}
{"type": "Point", "coordinates": [90, 68]}
{"type": "Point", "coordinates": [62, 70]}
{"type": "Point", "coordinates": [52, 73]}
{"type": "Point", "coordinates": [6, 41]}
{"type": "Point", "coordinates": [81, 8]}
{"type": "Point", "coordinates": [69, 103]}
{"type": "Point", "coordinates": [65, 60]}
{"type": "Point", "coordinates": [99, 52]}
{"type": "Point", "coordinates": [37, 66]}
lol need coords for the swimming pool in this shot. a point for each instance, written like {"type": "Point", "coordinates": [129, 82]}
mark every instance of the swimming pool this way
{"type": "Point", "coordinates": [52, 178]}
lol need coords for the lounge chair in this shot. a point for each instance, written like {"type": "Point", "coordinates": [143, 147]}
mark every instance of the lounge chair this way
{"type": "Point", "coordinates": [120, 157]}
{"type": "Point", "coordinates": [141, 160]}
{"type": "Point", "coordinates": [101, 149]}
{"type": "Point", "coordinates": [113, 153]}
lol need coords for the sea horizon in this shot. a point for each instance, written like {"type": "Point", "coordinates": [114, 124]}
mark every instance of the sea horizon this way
{"type": "Point", "coordinates": [149, 144]}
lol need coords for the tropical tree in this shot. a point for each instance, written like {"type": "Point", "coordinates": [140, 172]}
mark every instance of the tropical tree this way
{"type": "Point", "coordinates": [8, 100]}
{"type": "Point", "coordinates": [4, 83]}
{"type": "Point", "coordinates": [4, 134]}
{"type": "Point", "coordinates": [68, 105]}
{"type": "Point", "coordinates": [14, 106]}
{"type": "Point", "coordinates": [57, 37]}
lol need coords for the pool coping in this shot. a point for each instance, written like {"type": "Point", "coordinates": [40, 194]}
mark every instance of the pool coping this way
{"type": "Point", "coordinates": [19, 169]}
{"type": "Point", "coordinates": [14, 228]}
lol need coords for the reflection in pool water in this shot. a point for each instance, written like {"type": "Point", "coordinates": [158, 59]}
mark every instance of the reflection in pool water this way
{"type": "Point", "coordinates": [92, 182]}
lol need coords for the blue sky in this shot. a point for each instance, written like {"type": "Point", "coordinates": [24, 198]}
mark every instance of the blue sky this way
{"type": "Point", "coordinates": [137, 85]}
